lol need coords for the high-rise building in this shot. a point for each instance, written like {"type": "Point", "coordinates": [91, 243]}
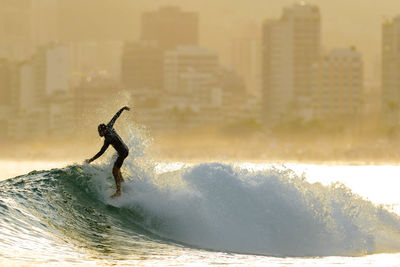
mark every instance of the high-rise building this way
{"type": "Point", "coordinates": [39, 79]}
{"type": "Point", "coordinates": [8, 94]}
{"type": "Point", "coordinates": [191, 84]}
{"type": "Point", "coordinates": [142, 66]}
{"type": "Point", "coordinates": [188, 66]}
{"type": "Point", "coordinates": [390, 71]}
{"type": "Point", "coordinates": [246, 55]}
{"type": "Point", "coordinates": [338, 85]}
{"type": "Point", "coordinates": [7, 71]}
{"type": "Point", "coordinates": [233, 96]}
{"type": "Point", "coordinates": [30, 117]}
{"type": "Point", "coordinates": [246, 60]}
{"type": "Point", "coordinates": [57, 69]}
{"type": "Point", "coordinates": [290, 45]}
{"type": "Point", "coordinates": [46, 72]}
{"type": "Point", "coordinates": [170, 27]}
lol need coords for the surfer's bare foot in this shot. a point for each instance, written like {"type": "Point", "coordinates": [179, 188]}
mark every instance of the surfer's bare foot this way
{"type": "Point", "coordinates": [116, 194]}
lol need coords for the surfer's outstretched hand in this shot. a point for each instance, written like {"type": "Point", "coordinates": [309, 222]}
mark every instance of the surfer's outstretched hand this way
{"type": "Point", "coordinates": [126, 108]}
{"type": "Point", "coordinates": [87, 161]}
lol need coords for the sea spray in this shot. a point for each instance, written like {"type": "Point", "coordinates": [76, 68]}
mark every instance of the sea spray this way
{"type": "Point", "coordinates": [271, 212]}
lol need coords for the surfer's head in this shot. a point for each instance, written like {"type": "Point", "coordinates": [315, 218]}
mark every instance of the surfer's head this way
{"type": "Point", "coordinates": [102, 128]}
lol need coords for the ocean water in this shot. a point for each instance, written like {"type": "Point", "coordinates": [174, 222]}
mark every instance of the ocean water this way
{"type": "Point", "coordinates": [209, 213]}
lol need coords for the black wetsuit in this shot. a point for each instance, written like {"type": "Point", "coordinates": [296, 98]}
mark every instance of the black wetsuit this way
{"type": "Point", "coordinates": [112, 138]}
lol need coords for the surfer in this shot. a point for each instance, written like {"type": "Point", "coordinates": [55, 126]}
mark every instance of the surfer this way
{"type": "Point", "coordinates": [112, 138]}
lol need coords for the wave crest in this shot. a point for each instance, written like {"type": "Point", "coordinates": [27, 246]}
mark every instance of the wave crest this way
{"type": "Point", "coordinates": [210, 205]}
{"type": "Point", "coordinates": [217, 206]}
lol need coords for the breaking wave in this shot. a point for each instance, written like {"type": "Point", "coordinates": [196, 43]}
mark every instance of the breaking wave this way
{"type": "Point", "coordinates": [210, 205]}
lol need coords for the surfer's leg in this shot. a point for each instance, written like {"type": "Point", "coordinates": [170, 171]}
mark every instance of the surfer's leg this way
{"type": "Point", "coordinates": [117, 181]}
{"type": "Point", "coordinates": [117, 175]}
{"type": "Point", "coordinates": [120, 161]}
{"type": "Point", "coordinates": [121, 179]}
{"type": "Point", "coordinates": [116, 172]}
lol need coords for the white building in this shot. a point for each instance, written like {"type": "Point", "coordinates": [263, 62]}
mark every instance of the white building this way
{"type": "Point", "coordinates": [246, 60]}
{"type": "Point", "coordinates": [190, 74]}
{"type": "Point", "coordinates": [57, 69]}
{"type": "Point", "coordinates": [39, 79]}
{"type": "Point", "coordinates": [291, 45]}
{"type": "Point", "coordinates": [30, 120]}
{"type": "Point", "coordinates": [338, 85]}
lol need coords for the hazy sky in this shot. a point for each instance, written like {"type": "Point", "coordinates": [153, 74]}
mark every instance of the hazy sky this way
{"type": "Point", "coordinates": [344, 22]}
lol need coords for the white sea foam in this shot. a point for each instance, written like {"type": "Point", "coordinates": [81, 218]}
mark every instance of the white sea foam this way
{"type": "Point", "coordinates": [274, 212]}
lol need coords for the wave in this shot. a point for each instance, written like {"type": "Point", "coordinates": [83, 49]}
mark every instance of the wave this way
{"type": "Point", "coordinates": [274, 212]}
{"type": "Point", "coordinates": [211, 205]}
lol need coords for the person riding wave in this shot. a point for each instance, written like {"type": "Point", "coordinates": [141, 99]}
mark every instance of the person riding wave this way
{"type": "Point", "coordinates": [112, 138]}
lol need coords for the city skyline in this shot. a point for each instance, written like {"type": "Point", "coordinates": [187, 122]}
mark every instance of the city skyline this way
{"type": "Point", "coordinates": [184, 77]}
{"type": "Point", "coordinates": [354, 28]}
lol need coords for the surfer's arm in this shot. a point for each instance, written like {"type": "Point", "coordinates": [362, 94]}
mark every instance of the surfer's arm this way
{"type": "Point", "coordinates": [101, 152]}
{"type": "Point", "coordinates": [112, 121]}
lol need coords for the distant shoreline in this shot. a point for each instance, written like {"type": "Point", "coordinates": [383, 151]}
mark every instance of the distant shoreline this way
{"type": "Point", "coordinates": [208, 145]}
{"type": "Point", "coordinates": [194, 154]}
